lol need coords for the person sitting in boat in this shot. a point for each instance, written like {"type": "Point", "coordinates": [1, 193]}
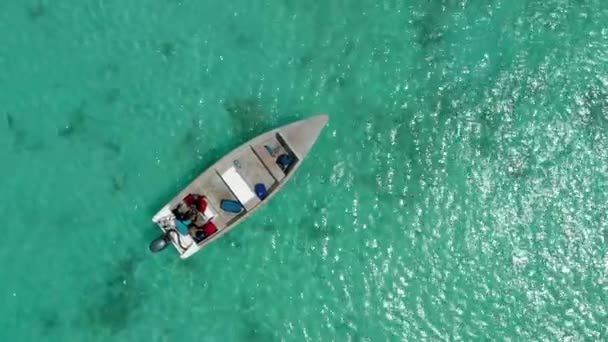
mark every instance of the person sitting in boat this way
{"type": "Point", "coordinates": [184, 219]}
{"type": "Point", "coordinates": [205, 231]}
{"type": "Point", "coordinates": [196, 202]}
{"type": "Point", "coordinates": [181, 213]}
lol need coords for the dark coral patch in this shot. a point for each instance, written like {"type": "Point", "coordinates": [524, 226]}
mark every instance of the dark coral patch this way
{"type": "Point", "coordinates": [75, 123]}
{"type": "Point", "coordinates": [36, 11]}
{"type": "Point", "coordinates": [119, 299]}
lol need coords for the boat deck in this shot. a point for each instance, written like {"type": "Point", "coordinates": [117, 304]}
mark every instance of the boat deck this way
{"type": "Point", "coordinates": [235, 178]}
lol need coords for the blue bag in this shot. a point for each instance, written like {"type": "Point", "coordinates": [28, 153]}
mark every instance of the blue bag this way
{"type": "Point", "coordinates": [231, 206]}
{"type": "Point", "coordinates": [260, 191]}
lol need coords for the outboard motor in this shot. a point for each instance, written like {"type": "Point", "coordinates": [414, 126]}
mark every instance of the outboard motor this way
{"type": "Point", "coordinates": [159, 243]}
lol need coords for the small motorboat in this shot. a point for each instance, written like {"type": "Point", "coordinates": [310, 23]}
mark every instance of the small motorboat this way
{"type": "Point", "coordinates": [233, 188]}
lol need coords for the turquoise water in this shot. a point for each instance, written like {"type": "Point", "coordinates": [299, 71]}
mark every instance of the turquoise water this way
{"type": "Point", "coordinates": [459, 191]}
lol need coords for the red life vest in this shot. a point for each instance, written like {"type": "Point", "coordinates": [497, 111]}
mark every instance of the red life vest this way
{"type": "Point", "coordinates": [209, 228]}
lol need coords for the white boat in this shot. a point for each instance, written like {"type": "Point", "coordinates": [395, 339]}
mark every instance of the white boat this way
{"type": "Point", "coordinates": [233, 188]}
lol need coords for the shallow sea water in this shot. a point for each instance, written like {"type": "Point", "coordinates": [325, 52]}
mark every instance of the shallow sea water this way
{"type": "Point", "coordinates": [459, 191]}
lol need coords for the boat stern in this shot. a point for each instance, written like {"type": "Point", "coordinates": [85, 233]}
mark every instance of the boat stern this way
{"type": "Point", "coordinates": [166, 221]}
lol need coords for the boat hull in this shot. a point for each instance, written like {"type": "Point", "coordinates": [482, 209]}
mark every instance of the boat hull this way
{"type": "Point", "coordinates": [251, 175]}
